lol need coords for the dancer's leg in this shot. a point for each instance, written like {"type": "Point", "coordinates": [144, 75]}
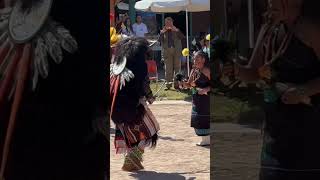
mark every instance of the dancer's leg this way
{"type": "Point", "coordinates": [133, 160]}
{"type": "Point", "coordinates": [205, 136]}
{"type": "Point", "coordinates": [169, 61]}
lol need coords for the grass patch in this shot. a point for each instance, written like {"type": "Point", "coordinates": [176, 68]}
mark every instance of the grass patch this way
{"type": "Point", "coordinates": [234, 110]}
{"type": "Point", "coordinates": [169, 94]}
{"type": "Point", "coordinates": [241, 105]}
{"type": "Point", "coordinates": [225, 109]}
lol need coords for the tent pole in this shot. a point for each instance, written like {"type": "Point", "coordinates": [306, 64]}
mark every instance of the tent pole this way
{"type": "Point", "coordinates": [251, 23]}
{"type": "Point", "coordinates": [132, 11]}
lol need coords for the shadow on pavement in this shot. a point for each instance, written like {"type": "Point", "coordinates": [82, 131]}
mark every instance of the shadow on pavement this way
{"type": "Point", "coordinates": [192, 178]}
{"type": "Point", "coordinates": [207, 147]}
{"type": "Point", "coordinates": [152, 175]}
{"type": "Point", "coordinates": [168, 138]}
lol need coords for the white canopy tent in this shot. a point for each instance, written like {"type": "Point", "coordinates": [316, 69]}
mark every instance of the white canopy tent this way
{"type": "Point", "coordinates": [123, 6]}
{"type": "Point", "coordinates": [171, 6]}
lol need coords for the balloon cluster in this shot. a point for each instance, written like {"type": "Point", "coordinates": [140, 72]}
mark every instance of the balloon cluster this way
{"type": "Point", "coordinates": [186, 51]}
{"type": "Point", "coordinates": [114, 37]}
{"type": "Point", "coordinates": [208, 37]}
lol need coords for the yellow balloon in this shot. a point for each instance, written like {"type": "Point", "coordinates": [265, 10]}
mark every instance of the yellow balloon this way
{"type": "Point", "coordinates": [185, 52]}
{"type": "Point", "coordinates": [114, 39]}
{"type": "Point", "coordinates": [112, 31]}
{"type": "Point", "coordinates": [208, 37]}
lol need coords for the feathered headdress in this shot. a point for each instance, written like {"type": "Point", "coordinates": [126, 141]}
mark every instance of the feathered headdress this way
{"type": "Point", "coordinates": [28, 40]}
{"type": "Point", "coordinates": [119, 74]}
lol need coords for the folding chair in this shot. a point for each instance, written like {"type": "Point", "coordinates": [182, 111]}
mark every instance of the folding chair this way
{"type": "Point", "coordinates": [153, 75]}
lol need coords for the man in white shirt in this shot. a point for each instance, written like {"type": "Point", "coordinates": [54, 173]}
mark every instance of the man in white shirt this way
{"type": "Point", "coordinates": [139, 28]}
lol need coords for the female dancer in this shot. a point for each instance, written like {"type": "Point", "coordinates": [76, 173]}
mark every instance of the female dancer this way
{"type": "Point", "coordinates": [200, 84]}
{"type": "Point", "coordinates": [287, 59]}
{"type": "Point", "coordinates": [136, 127]}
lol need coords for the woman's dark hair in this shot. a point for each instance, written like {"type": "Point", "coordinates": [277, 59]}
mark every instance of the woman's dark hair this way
{"type": "Point", "coordinates": [205, 56]}
{"type": "Point", "coordinates": [128, 27]}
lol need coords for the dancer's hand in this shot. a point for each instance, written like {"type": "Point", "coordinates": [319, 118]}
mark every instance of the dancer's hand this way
{"type": "Point", "coordinates": [294, 96]}
{"type": "Point", "coordinates": [203, 91]}
{"type": "Point", "coordinates": [186, 84]}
